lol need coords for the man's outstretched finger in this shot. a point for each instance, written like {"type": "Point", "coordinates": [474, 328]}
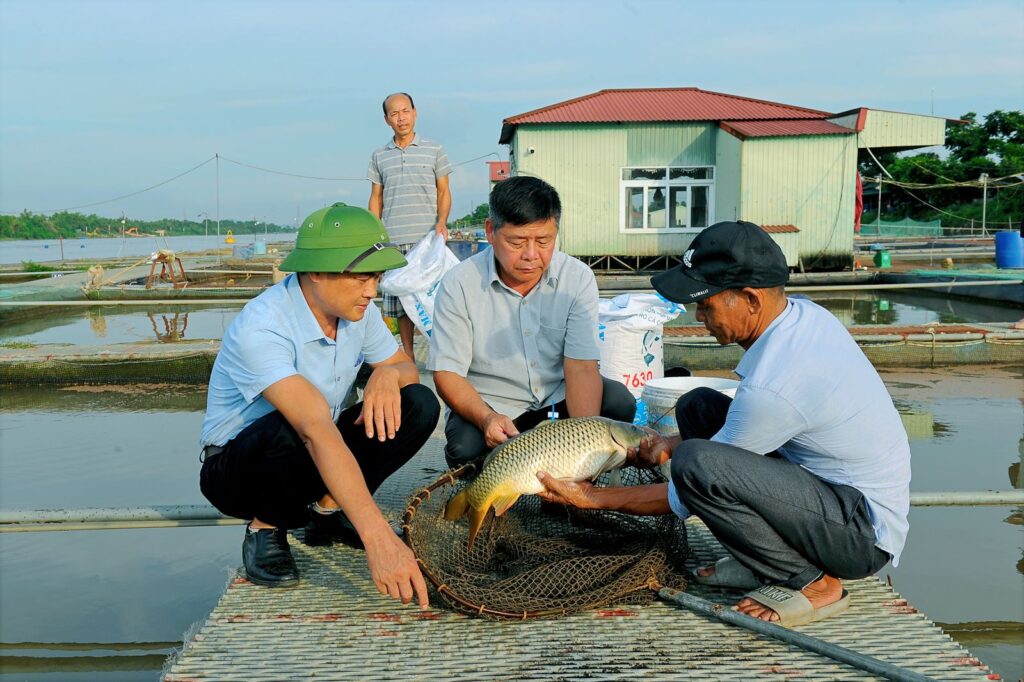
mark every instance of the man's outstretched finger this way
{"type": "Point", "coordinates": [420, 585]}
{"type": "Point", "coordinates": [406, 590]}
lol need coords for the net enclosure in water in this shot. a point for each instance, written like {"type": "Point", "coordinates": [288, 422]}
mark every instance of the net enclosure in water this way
{"type": "Point", "coordinates": [541, 559]}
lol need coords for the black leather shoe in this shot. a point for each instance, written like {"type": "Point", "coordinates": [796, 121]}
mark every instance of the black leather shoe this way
{"type": "Point", "coordinates": [267, 558]}
{"type": "Point", "coordinates": [327, 529]}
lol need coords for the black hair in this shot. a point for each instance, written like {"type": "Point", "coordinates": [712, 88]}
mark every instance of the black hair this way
{"type": "Point", "coordinates": [384, 104]}
{"type": "Point", "coordinates": [522, 200]}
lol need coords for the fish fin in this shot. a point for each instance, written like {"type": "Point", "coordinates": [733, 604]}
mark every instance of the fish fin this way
{"type": "Point", "coordinates": [456, 507]}
{"type": "Point", "coordinates": [476, 520]}
{"type": "Point", "coordinates": [502, 503]}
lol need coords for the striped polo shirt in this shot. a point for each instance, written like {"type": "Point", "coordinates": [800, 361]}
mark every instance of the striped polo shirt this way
{"type": "Point", "coordinates": [409, 177]}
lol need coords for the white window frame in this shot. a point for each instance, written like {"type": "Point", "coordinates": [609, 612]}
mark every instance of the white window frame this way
{"type": "Point", "coordinates": [665, 184]}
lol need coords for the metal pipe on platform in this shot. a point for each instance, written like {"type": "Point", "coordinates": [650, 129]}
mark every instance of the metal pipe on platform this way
{"type": "Point", "coordinates": [806, 642]}
{"type": "Point", "coordinates": [178, 516]}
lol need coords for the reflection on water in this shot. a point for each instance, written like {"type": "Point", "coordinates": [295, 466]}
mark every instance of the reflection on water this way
{"type": "Point", "coordinates": [102, 324]}
{"type": "Point", "coordinates": [137, 445]}
{"type": "Point", "coordinates": [909, 308]}
{"type": "Point", "coordinates": [173, 329]}
{"type": "Point", "coordinates": [902, 307]}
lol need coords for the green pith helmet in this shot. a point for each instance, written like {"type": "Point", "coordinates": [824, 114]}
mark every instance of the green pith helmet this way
{"type": "Point", "coordinates": [342, 238]}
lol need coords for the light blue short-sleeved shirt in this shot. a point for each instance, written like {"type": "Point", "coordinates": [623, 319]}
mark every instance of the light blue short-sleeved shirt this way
{"type": "Point", "coordinates": [511, 347]}
{"type": "Point", "coordinates": [409, 178]}
{"type": "Point", "coordinates": [807, 390]}
{"type": "Point", "coordinates": [276, 336]}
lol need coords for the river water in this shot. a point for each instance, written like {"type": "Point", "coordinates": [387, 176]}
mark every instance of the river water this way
{"type": "Point", "coordinates": [52, 251]}
{"type": "Point", "coordinates": [109, 605]}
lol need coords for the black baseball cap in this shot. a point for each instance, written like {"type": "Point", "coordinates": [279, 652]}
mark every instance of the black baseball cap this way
{"type": "Point", "coordinates": [727, 255]}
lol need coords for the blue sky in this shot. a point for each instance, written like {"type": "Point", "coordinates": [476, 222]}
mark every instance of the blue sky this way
{"type": "Point", "coordinates": [101, 99]}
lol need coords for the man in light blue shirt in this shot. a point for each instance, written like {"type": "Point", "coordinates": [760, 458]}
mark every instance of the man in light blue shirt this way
{"type": "Point", "coordinates": [783, 474]}
{"type": "Point", "coordinates": [278, 449]}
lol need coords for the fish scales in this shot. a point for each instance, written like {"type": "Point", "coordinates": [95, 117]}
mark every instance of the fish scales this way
{"type": "Point", "coordinates": [574, 449]}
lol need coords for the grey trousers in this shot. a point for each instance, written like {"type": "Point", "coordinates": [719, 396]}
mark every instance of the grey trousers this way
{"type": "Point", "coordinates": [779, 520]}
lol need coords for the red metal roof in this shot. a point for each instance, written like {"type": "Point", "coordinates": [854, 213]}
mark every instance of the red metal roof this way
{"type": "Point", "coordinates": [499, 170]}
{"type": "Point", "coordinates": [745, 129]}
{"type": "Point", "coordinates": [658, 104]}
{"type": "Point", "coordinates": [780, 229]}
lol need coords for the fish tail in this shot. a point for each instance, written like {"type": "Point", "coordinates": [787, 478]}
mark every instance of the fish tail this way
{"type": "Point", "coordinates": [456, 507]}
{"type": "Point", "coordinates": [476, 520]}
{"type": "Point", "coordinates": [500, 500]}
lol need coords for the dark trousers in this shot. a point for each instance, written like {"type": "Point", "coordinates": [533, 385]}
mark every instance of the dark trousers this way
{"type": "Point", "coordinates": [266, 472]}
{"type": "Point", "coordinates": [779, 520]}
{"type": "Point", "coordinates": [465, 442]}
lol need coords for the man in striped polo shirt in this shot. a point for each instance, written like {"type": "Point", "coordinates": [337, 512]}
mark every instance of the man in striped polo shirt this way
{"type": "Point", "coordinates": [409, 191]}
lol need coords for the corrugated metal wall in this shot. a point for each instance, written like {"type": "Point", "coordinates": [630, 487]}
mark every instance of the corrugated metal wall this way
{"type": "Point", "coordinates": [583, 162]}
{"type": "Point", "coordinates": [728, 170]}
{"type": "Point", "coordinates": [804, 181]}
{"type": "Point", "coordinates": [893, 129]}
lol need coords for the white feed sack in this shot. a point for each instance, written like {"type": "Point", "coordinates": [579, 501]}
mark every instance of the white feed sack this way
{"type": "Point", "coordinates": [629, 330]}
{"type": "Point", "coordinates": [415, 285]}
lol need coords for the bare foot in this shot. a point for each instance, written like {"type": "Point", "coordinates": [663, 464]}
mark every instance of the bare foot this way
{"type": "Point", "coordinates": [820, 593]}
{"type": "Point", "coordinates": [705, 571]}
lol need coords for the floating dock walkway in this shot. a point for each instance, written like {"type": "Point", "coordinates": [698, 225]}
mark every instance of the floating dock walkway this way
{"type": "Point", "coordinates": [335, 626]}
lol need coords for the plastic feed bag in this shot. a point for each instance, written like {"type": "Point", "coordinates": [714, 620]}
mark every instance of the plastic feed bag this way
{"type": "Point", "coordinates": [630, 330]}
{"type": "Point", "coordinates": [415, 285]}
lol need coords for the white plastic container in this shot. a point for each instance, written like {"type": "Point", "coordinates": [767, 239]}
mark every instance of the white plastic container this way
{"type": "Point", "coordinates": [661, 395]}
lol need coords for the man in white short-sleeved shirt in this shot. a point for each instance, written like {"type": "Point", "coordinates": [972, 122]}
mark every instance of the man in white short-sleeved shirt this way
{"type": "Point", "coordinates": [279, 448]}
{"type": "Point", "coordinates": [781, 474]}
{"type": "Point", "coordinates": [515, 330]}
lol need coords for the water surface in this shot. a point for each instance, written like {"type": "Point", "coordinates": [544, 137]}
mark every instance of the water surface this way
{"type": "Point", "coordinates": [137, 445]}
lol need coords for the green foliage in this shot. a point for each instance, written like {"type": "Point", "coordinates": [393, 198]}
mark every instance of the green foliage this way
{"type": "Point", "coordinates": [29, 225]}
{"type": "Point", "coordinates": [17, 344]}
{"type": "Point", "coordinates": [994, 146]}
{"type": "Point", "coordinates": [32, 266]}
{"type": "Point", "coordinates": [476, 218]}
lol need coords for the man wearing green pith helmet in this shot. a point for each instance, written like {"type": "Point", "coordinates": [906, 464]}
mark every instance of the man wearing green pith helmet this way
{"type": "Point", "coordinates": [278, 449]}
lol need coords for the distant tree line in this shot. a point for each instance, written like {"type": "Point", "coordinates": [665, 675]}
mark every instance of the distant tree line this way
{"type": "Point", "coordinates": [993, 145]}
{"type": "Point", "coordinates": [69, 225]}
{"type": "Point", "coordinates": [471, 220]}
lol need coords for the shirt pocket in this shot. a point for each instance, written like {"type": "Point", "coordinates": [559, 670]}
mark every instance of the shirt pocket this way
{"type": "Point", "coordinates": [551, 340]}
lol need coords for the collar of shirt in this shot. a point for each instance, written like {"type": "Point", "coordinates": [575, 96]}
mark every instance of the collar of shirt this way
{"type": "Point", "coordinates": [309, 329]}
{"type": "Point", "coordinates": [750, 357]}
{"type": "Point", "coordinates": [550, 275]}
{"type": "Point", "coordinates": [415, 141]}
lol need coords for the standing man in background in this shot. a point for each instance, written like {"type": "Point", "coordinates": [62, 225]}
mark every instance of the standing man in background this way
{"type": "Point", "coordinates": [409, 191]}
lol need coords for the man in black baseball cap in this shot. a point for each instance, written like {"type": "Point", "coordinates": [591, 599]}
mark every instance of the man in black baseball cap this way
{"type": "Point", "coordinates": [781, 474]}
{"type": "Point", "coordinates": [731, 255]}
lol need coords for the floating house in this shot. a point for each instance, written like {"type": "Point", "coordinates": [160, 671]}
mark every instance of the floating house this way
{"type": "Point", "coordinates": [642, 171]}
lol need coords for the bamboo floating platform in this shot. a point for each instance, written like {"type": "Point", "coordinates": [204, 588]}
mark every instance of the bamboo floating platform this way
{"type": "Point", "coordinates": [335, 626]}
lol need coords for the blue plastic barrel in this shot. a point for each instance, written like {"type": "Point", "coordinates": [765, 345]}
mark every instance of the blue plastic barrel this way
{"type": "Point", "coordinates": [461, 248]}
{"type": "Point", "coordinates": [1009, 250]}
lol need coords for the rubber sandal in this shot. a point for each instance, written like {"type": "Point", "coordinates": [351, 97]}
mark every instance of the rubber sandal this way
{"type": "Point", "coordinates": [793, 608]}
{"type": "Point", "coordinates": [728, 573]}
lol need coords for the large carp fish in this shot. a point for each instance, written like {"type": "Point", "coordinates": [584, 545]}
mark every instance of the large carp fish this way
{"type": "Point", "coordinates": [575, 449]}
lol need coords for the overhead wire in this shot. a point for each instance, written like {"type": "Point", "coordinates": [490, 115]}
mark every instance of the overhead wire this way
{"type": "Point", "coordinates": [132, 194]}
{"type": "Point", "coordinates": [894, 183]}
{"type": "Point", "coordinates": [237, 163]}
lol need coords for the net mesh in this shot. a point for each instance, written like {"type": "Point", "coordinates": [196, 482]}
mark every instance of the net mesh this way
{"type": "Point", "coordinates": [541, 559]}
